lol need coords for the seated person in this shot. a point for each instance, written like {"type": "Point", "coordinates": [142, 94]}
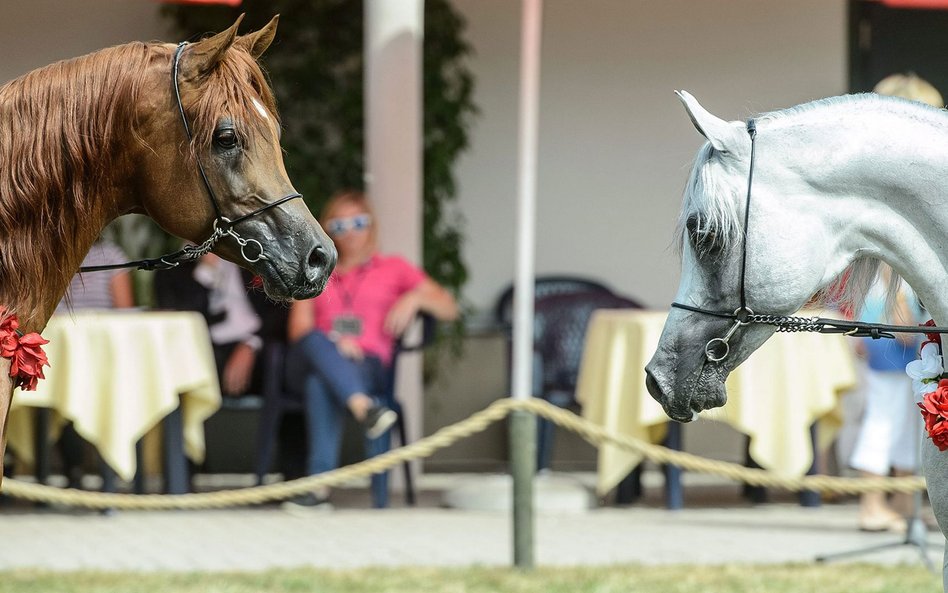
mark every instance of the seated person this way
{"type": "Point", "coordinates": [108, 289]}
{"type": "Point", "coordinates": [237, 321]}
{"type": "Point", "coordinates": [341, 343]}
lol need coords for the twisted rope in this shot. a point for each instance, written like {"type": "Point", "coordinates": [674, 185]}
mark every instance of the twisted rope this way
{"type": "Point", "coordinates": [477, 422]}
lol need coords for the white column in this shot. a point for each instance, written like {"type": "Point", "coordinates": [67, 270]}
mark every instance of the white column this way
{"type": "Point", "coordinates": [394, 31]}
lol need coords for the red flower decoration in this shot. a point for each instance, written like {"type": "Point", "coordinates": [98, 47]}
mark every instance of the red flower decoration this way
{"type": "Point", "coordinates": [26, 355]}
{"type": "Point", "coordinates": [9, 340]}
{"type": "Point", "coordinates": [28, 362]}
{"type": "Point", "coordinates": [932, 338]}
{"type": "Point", "coordinates": [934, 408]}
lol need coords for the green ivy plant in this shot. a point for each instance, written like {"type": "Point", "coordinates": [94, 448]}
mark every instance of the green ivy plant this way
{"type": "Point", "coordinates": [316, 68]}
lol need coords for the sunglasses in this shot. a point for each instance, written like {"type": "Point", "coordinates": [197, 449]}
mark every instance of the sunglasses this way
{"type": "Point", "coordinates": [341, 226]}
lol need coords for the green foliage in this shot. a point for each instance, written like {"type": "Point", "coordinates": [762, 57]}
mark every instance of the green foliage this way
{"type": "Point", "coordinates": [316, 68]}
{"type": "Point", "coordinates": [786, 578]}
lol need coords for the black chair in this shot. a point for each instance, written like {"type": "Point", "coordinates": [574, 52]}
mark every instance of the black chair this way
{"type": "Point", "coordinates": [543, 286]}
{"type": "Point", "coordinates": [559, 391]}
{"type": "Point", "coordinates": [559, 331]}
{"type": "Point", "coordinates": [563, 306]}
{"type": "Point", "coordinates": [279, 399]}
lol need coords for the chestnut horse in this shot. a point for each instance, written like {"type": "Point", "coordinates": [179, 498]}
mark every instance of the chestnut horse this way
{"type": "Point", "coordinates": [188, 135]}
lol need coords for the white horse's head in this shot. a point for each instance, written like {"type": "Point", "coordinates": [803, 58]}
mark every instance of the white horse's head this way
{"type": "Point", "coordinates": [787, 259]}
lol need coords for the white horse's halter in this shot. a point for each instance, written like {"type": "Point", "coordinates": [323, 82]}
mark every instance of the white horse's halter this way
{"type": "Point", "coordinates": [717, 349]}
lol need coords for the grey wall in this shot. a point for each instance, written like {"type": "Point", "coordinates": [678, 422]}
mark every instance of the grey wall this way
{"type": "Point", "coordinates": [39, 32]}
{"type": "Point", "coordinates": [615, 145]}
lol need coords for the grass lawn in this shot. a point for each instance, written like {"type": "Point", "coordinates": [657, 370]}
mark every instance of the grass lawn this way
{"type": "Point", "coordinates": [834, 578]}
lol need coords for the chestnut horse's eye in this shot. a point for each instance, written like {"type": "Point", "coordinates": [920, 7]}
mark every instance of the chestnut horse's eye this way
{"type": "Point", "coordinates": [225, 138]}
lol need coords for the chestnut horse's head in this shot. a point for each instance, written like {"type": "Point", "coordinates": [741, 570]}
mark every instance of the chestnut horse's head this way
{"type": "Point", "coordinates": [213, 162]}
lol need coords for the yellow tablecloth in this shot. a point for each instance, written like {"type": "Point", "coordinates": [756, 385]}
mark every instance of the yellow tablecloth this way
{"type": "Point", "coordinates": [774, 397]}
{"type": "Point", "coordinates": [115, 375]}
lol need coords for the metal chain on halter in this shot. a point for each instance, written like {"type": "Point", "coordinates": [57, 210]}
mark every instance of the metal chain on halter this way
{"type": "Point", "coordinates": [789, 323]}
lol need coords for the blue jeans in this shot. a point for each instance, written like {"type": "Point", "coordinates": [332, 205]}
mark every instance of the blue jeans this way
{"type": "Point", "coordinates": [327, 380]}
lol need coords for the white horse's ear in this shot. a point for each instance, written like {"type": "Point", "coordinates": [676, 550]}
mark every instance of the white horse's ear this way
{"type": "Point", "coordinates": [723, 136]}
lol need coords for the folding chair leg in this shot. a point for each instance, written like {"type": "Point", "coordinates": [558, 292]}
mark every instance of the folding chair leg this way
{"type": "Point", "coordinates": [42, 444]}
{"type": "Point", "coordinates": [630, 488]}
{"type": "Point", "coordinates": [406, 466]}
{"type": "Point", "coordinates": [544, 444]}
{"type": "Point", "coordinates": [674, 496]}
{"type": "Point", "coordinates": [176, 465]}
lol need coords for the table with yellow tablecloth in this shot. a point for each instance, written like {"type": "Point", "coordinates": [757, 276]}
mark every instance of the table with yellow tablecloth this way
{"type": "Point", "coordinates": [792, 381]}
{"type": "Point", "coordinates": [115, 375]}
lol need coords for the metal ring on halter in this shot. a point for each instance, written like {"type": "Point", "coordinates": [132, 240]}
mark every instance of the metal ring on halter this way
{"type": "Point", "coordinates": [243, 253]}
{"type": "Point", "coordinates": [227, 229]}
{"type": "Point", "coordinates": [742, 316]}
{"type": "Point", "coordinates": [708, 349]}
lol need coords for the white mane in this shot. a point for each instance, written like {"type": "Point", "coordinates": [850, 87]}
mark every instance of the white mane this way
{"type": "Point", "coordinates": [715, 202]}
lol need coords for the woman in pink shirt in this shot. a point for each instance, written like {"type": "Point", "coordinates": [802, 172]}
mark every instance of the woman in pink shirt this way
{"type": "Point", "coordinates": [342, 341]}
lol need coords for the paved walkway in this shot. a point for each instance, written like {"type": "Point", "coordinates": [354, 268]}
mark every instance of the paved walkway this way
{"type": "Point", "coordinates": [717, 528]}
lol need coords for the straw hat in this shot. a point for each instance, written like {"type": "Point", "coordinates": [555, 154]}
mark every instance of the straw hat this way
{"type": "Point", "coordinates": [910, 86]}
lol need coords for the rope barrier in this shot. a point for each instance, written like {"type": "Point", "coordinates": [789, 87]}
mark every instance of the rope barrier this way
{"type": "Point", "coordinates": [477, 422]}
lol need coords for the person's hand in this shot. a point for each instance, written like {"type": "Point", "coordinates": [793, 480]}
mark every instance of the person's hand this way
{"type": "Point", "coordinates": [402, 314]}
{"type": "Point", "coordinates": [349, 347]}
{"type": "Point", "coordinates": [238, 370]}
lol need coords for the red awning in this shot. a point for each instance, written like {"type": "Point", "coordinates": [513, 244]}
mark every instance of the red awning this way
{"type": "Point", "coordinates": [226, 2]}
{"type": "Point", "coordinates": [931, 4]}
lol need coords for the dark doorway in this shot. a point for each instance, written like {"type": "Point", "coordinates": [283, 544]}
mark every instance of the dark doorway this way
{"type": "Point", "coordinates": [884, 41]}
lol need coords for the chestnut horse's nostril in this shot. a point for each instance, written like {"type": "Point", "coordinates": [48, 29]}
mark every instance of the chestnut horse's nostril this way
{"type": "Point", "coordinates": [320, 257]}
{"type": "Point", "coordinates": [653, 388]}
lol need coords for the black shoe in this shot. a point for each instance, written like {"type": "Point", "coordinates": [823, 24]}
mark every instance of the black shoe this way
{"type": "Point", "coordinates": [378, 419]}
{"type": "Point", "coordinates": [308, 502]}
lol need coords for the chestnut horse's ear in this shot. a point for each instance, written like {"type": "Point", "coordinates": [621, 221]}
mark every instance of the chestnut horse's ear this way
{"type": "Point", "coordinates": [723, 136]}
{"type": "Point", "coordinates": [204, 55]}
{"type": "Point", "coordinates": [257, 42]}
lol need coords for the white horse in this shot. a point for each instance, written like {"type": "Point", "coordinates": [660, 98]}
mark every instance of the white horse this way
{"type": "Point", "coordinates": [838, 184]}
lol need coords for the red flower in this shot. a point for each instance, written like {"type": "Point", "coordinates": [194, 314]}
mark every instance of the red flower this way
{"type": "Point", "coordinates": [8, 336]}
{"type": "Point", "coordinates": [934, 408]}
{"type": "Point", "coordinates": [28, 361]}
{"type": "Point", "coordinates": [26, 355]}
{"type": "Point", "coordinates": [931, 338]}
{"type": "Point", "coordinates": [939, 435]}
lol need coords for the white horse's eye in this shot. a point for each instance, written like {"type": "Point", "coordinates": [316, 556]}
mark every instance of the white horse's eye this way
{"type": "Point", "coordinates": [703, 240]}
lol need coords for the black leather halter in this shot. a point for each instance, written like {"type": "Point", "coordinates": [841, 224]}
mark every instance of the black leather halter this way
{"type": "Point", "coordinates": [223, 226]}
{"type": "Point", "coordinates": [717, 349]}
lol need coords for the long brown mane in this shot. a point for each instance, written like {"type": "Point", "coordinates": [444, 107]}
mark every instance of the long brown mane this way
{"type": "Point", "coordinates": [61, 129]}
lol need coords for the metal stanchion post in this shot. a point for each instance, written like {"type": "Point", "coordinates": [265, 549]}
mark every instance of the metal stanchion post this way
{"type": "Point", "coordinates": [523, 455]}
{"type": "Point", "coordinates": [916, 534]}
{"type": "Point", "coordinates": [523, 424]}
